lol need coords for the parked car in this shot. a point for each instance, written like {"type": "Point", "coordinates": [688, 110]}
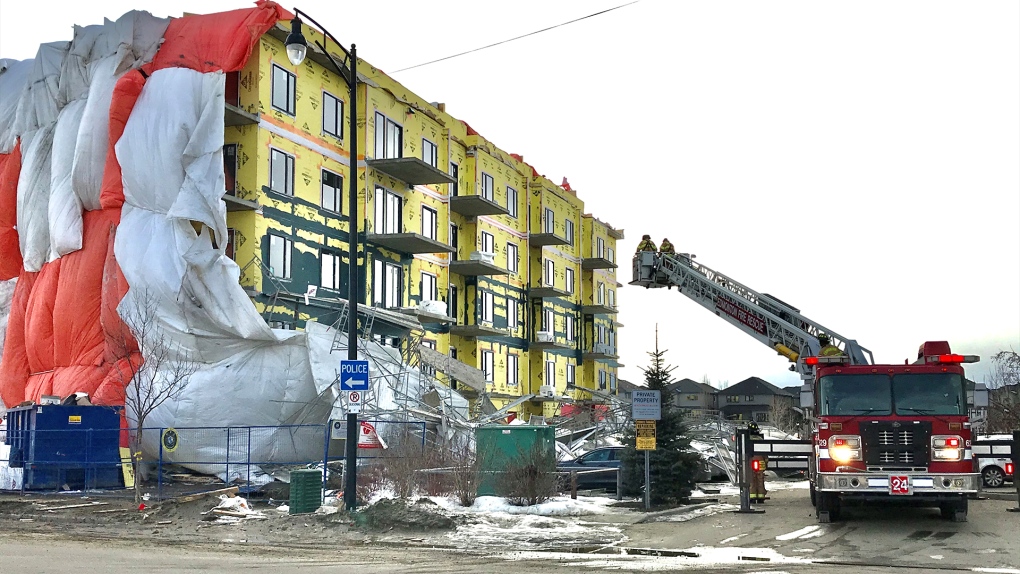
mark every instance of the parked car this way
{"type": "Point", "coordinates": [996, 471]}
{"type": "Point", "coordinates": [603, 457]}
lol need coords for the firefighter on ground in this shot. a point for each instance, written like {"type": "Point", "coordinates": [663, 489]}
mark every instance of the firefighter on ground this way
{"type": "Point", "coordinates": [666, 247]}
{"type": "Point", "coordinates": [646, 244]}
{"type": "Point", "coordinates": [828, 349]}
{"type": "Point", "coordinates": [758, 465]}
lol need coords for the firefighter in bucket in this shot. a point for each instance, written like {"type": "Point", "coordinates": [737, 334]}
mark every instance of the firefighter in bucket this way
{"type": "Point", "coordinates": [758, 465]}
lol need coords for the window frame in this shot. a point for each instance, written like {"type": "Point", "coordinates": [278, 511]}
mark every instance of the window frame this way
{"type": "Point", "coordinates": [487, 307]}
{"type": "Point", "coordinates": [383, 145]}
{"type": "Point", "coordinates": [291, 89]}
{"type": "Point", "coordinates": [550, 369]}
{"type": "Point", "coordinates": [549, 272]}
{"type": "Point", "coordinates": [230, 168]}
{"type": "Point", "coordinates": [434, 291]}
{"type": "Point", "coordinates": [603, 380]}
{"type": "Point", "coordinates": [512, 262]}
{"type": "Point", "coordinates": [287, 255]}
{"type": "Point", "coordinates": [490, 239]}
{"type": "Point", "coordinates": [569, 278]}
{"type": "Point", "coordinates": [432, 233]}
{"type": "Point", "coordinates": [513, 370]}
{"type": "Point", "coordinates": [488, 365]}
{"type": "Point", "coordinates": [337, 262]}
{"type": "Point", "coordinates": [383, 198]}
{"type": "Point", "coordinates": [433, 158]}
{"type": "Point", "coordinates": [337, 191]}
{"type": "Point", "coordinates": [600, 248]}
{"type": "Point", "coordinates": [511, 201]}
{"type": "Point", "coordinates": [383, 288]}
{"type": "Point", "coordinates": [488, 187]}
{"type": "Point", "coordinates": [289, 168]}
{"type": "Point", "coordinates": [569, 328]}
{"type": "Point", "coordinates": [549, 223]}
{"type": "Point", "coordinates": [571, 376]}
{"type": "Point", "coordinates": [568, 230]}
{"type": "Point", "coordinates": [512, 313]}
{"type": "Point", "coordinates": [549, 321]}
{"type": "Point", "coordinates": [454, 188]}
{"type": "Point", "coordinates": [338, 111]}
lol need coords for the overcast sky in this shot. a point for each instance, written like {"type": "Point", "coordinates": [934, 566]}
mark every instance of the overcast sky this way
{"type": "Point", "coordinates": [858, 160]}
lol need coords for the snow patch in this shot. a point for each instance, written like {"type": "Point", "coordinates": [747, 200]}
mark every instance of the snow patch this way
{"type": "Point", "coordinates": [697, 558]}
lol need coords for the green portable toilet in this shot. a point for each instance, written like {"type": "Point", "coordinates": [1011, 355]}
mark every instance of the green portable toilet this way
{"type": "Point", "coordinates": [498, 445]}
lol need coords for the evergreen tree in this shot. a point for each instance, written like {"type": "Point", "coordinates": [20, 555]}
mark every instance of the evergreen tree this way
{"type": "Point", "coordinates": [673, 465]}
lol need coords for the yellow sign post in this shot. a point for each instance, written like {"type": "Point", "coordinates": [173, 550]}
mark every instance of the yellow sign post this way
{"type": "Point", "coordinates": [645, 435]}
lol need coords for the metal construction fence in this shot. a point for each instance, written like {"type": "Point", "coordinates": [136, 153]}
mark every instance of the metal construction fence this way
{"type": "Point", "coordinates": [185, 459]}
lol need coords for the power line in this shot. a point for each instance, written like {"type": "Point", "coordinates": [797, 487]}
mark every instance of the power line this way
{"type": "Point", "coordinates": [518, 37]}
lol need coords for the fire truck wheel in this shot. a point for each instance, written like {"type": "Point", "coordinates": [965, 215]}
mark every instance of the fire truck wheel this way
{"type": "Point", "coordinates": [827, 508]}
{"type": "Point", "coordinates": [955, 510]}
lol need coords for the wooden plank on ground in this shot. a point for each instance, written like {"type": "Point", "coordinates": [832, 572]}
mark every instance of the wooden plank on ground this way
{"type": "Point", "coordinates": [74, 506]}
{"type": "Point", "coordinates": [232, 491]}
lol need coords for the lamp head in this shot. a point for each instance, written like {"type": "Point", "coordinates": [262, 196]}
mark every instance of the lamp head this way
{"type": "Point", "coordinates": [296, 45]}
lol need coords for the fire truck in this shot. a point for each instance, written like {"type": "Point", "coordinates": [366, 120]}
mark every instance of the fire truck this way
{"type": "Point", "coordinates": [880, 432]}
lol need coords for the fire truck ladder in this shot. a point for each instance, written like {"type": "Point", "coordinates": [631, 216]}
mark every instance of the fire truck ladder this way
{"type": "Point", "coordinates": [760, 315]}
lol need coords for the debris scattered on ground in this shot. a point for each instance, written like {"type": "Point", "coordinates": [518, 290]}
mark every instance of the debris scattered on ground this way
{"type": "Point", "coordinates": [405, 515]}
{"type": "Point", "coordinates": [233, 509]}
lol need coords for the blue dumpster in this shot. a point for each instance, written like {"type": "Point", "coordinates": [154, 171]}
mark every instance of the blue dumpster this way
{"type": "Point", "coordinates": [58, 445]}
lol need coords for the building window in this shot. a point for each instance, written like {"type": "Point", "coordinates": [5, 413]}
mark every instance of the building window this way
{"type": "Point", "coordinates": [602, 380]}
{"type": "Point", "coordinates": [571, 382]}
{"type": "Point", "coordinates": [570, 328]}
{"type": "Point", "coordinates": [568, 228]}
{"type": "Point", "coordinates": [692, 397]}
{"type": "Point", "coordinates": [429, 287]}
{"type": "Point", "coordinates": [453, 237]}
{"type": "Point", "coordinates": [511, 371]}
{"type": "Point", "coordinates": [749, 398]}
{"type": "Point", "coordinates": [283, 90]}
{"type": "Point", "coordinates": [487, 187]}
{"type": "Point", "coordinates": [488, 242]}
{"type": "Point", "coordinates": [733, 398]}
{"type": "Point", "coordinates": [611, 254]}
{"type": "Point", "coordinates": [455, 174]}
{"type": "Point", "coordinates": [600, 248]}
{"type": "Point", "coordinates": [285, 325]}
{"type": "Point", "coordinates": [511, 313]}
{"type": "Point", "coordinates": [386, 284]}
{"type": "Point", "coordinates": [600, 333]}
{"type": "Point", "coordinates": [550, 272]}
{"type": "Point", "coordinates": [612, 381]}
{"type": "Point", "coordinates": [332, 183]}
{"type": "Point", "coordinates": [332, 115]}
{"type": "Point", "coordinates": [549, 225]}
{"type": "Point", "coordinates": [230, 168]}
{"type": "Point", "coordinates": [602, 293]}
{"type": "Point", "coordinates": [389, 138]}
{"type": "Point", "coordinates": [429, 152]}
{"type": "Point", "coordinates": [548, 321]}
{"type": "Point", "coordinates": [429, 222]}
{"type": "Point", "coordinates": [569, 280]}
{"type": "Point", "coordinates": [612, 298]}
{"type": "Point", "coordinates": [511, 201]}
{"type": "Point", "coordinates": [279, 256]}
{"type": "Point", "coordinates": [761, 417]}
{"type": "Point", "coordinates": [230, 249]}
{"type": "Point", "coordinates": [550, 373]}
{"type": "Point", "coordinates": [487, 363]}
{"type": "Point", "coordinates": [330, 265]}
{"type": "Point", "coordinates": [451, 302]}
{"type": "Point", "coordinates": [487, 306]}
{"type": "Point", "coordinates": [511, 258]}
{"type": "Point", "coordinates": [387, 211]}
{"type": "Point", "coordinates": [281, 172]}
{"type": "Point", "coordinates": [425, 368]}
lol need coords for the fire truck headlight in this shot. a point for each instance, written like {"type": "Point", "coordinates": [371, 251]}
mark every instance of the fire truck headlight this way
{"type": "Point", "coordinates": [845, 448]}
{"type": "Point", "coordinates": [946, 447]}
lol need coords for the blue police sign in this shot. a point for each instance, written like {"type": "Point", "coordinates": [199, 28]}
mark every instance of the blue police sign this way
{"type": "Point", "coordinates": [353, 375]}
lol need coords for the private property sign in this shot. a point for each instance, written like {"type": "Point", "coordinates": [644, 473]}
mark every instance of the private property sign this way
{"type": "Point", "coordinates": [743, 315]}
{"type": "Point", "coordinates": [645, 406]}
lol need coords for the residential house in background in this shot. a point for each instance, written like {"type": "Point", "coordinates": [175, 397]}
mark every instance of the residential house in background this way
{"type": "Point", "coordinates": [698, 398]}
{"type": "Point", "coordinates": [754, 399]}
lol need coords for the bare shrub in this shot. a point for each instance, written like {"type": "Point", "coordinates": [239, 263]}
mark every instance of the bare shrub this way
{"type": "Point", "coordinates": [465, 474]}
{"type": "Point", "coordinates": [403, 462]}
{"type": "Point", "coordinates": [529, 478]}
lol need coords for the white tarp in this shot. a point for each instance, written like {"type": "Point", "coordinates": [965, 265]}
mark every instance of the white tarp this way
{"type": "Point", "coordinates": [13, 78]}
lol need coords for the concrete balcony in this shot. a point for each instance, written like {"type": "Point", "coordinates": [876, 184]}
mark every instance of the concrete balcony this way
{"type": "Point", "coordinates": [478, 330]}
{"type": "Point", "coordinates": [410, 170]}
{"type": "Point", "coordinates": [545, 239]}
{"type": "Point", "coordinates": [475, 205]}
{"type": "Point", "coordinates": [547, 291]}
{"type": "Point", "coordinates": [542, 342]}
{"type": "Point", "coordinates": [614, 233]}
{"type": "Point", "coordinates": [598, 309]}
{"type": "Point", "coordinates": [470, 268]}
{"type": "Point", "coordinates": [409, 243]}
{"type": "Point", "coordinates": [235, 203]}
{"type": "Point", "coordinates": [426, 317]}
{"type": "Point", "coordinates": [589, 263]}
{"type": "Point", "coordinates": [600, 351]}
{"type": "Point", "coordinates": [235, 116]}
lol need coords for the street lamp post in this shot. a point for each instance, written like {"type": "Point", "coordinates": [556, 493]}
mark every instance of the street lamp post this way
{"type": "Point", "coordinates": [296, 50]}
